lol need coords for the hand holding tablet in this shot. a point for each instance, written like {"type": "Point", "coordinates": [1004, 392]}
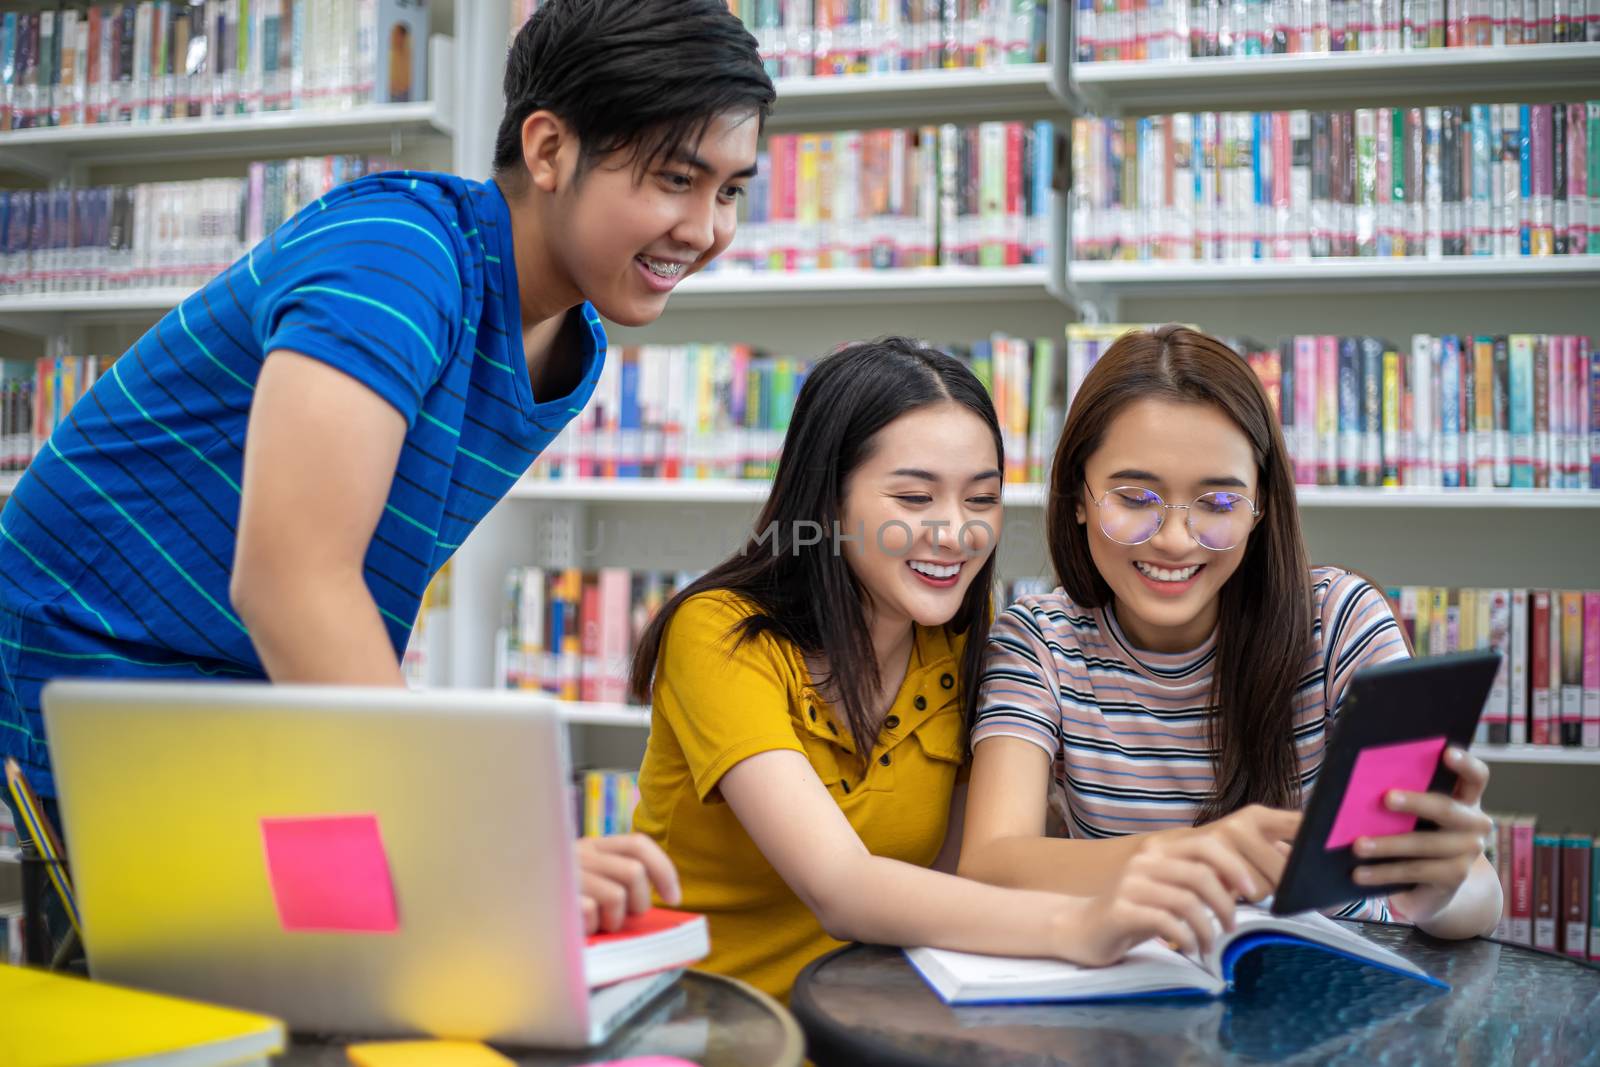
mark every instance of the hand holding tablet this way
{"type": "Point", "coordinates": [1387, 815]}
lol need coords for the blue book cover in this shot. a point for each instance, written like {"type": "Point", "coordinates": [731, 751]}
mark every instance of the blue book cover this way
{"type": "Point", "coordinates": [628, 421]}
{"type": "Point", "coordinates": [1350, 408]}
{"type": "Point", "coordinates": [1450, 411]}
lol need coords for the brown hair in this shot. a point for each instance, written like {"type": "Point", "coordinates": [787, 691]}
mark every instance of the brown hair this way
{"type": "Point", "coordinates": [1265, 608]}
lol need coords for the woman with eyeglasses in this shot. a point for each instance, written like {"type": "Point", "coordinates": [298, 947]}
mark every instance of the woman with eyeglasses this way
{"type": "Point", "coordinates": [1174, 696]}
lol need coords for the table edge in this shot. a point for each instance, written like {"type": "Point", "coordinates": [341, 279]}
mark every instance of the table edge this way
{"type": "Point", "coordinates": [793, 1053]}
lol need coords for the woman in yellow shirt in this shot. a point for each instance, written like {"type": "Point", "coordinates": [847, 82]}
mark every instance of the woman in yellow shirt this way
{"type": "Point", "coordinates": [810, 698]}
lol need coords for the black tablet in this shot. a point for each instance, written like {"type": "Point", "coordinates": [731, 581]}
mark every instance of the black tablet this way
{"type": "Point", "coordinates": [1391, 733]}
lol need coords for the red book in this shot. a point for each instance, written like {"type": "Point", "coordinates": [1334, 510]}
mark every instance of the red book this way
{"type": "Point", "coordinates": [1547, 892]}
{"type": "Point", "coordinates": [658, 940]}
{"type": "Point", "coordinates": [1575, 859]}
{"type": "Point", "coordinates": [591, 673]}
{"type": "Point", "coordinates": [1522, 880]}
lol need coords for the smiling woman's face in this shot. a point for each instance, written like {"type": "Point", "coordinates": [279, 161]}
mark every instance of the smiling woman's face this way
{"type": "Point", "coordinates": [1166, 589]}
{"type": "Point", "coordinates": [927, 503]}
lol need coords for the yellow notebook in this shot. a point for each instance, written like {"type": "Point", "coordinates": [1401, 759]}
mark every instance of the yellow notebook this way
{"type": "Point", "coordinates": [50, 1020]}
{"type": "Point", "coordinates": [426, 1054]}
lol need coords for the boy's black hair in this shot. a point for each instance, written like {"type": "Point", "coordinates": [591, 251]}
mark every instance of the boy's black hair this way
{"type": "Point", "coordinates": [644, 75]}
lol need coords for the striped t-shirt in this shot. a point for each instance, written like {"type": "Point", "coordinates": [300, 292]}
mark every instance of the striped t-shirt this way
{"type": "Point", "coordinates": [1126, 728]}
{"type": "Point", "coordinates": [117, 545]}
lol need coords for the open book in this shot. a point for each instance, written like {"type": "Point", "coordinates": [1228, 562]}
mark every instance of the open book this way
{"type": "Point", "coordinates": [1150, 969]}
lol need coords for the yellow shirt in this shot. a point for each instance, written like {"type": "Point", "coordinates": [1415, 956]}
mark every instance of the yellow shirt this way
{"type": "Point", "coordinates": [715, 705]}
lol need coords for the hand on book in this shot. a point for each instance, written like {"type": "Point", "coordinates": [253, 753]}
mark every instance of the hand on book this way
{"type": "Point", "coordinates": [1247, 849]}
{"type": "Point", "coordinates": [1438, 861]}
{"type": "Point", "coordinates": [1182, 885]}
{"type": "Point", "coordinates": [618, 873]}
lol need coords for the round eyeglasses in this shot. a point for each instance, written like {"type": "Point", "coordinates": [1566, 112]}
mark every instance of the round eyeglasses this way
{"type": "Point", "coordinates": [1219, 520]}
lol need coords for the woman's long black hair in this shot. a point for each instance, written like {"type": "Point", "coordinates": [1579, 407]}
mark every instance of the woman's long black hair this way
{"type": "Point", "coordinates": [806, 593]}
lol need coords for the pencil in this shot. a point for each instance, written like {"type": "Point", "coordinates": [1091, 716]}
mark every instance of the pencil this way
{"type": "Point", "coordinates": [44, 838]}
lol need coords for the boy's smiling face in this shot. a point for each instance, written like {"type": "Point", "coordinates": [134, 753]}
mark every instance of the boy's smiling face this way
{"type": "Point", "coordinates": [627, 238]}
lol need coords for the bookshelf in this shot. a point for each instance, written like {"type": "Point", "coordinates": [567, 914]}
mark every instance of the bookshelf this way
{"type": "Point", "coordinates": [10, 854]}
{"type": "Point", "coordinates": [1459, 538]}
{"type": "Point", "coordinates": [1445, 75]}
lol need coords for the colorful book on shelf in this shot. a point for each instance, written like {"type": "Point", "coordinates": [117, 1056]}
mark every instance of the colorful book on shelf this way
{"type": "Point", "coordinates": [1149, 969]}
{"type": "Point", "coordinates": [1475, 180]}
{"type": "Point", "coordinates": [160, 61]}
{"type": "Point", "coordinates": [49, 1019]}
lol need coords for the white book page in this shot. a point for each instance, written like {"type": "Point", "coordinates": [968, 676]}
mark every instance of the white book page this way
{"type": "Point", "coordinates": [1149, 967]}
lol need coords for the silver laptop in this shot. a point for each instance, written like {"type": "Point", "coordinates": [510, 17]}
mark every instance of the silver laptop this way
{"type": "Point", "coordinates": [351, 860]}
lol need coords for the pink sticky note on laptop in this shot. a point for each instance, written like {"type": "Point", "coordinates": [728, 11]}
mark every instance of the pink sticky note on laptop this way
{"type": "Point", "coordinates": [330, 873]}
{"type": "Point", "coordinates": [1408, 765]}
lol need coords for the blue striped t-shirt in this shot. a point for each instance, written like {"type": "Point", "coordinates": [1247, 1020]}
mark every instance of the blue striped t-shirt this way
{"type": "Point", "coordinates": [117, 544]}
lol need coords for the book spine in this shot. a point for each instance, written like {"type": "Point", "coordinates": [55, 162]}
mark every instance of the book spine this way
{"type": "Point", "coordinates": [1546, 892]}
{"type": "Point", "coordinates": [1328, 405]}
{"type": "Point", "coordinates": [1391, 418]}
{"type": "Point", "coordinates": [1576, 860]}
{"type": "Point", "coordinates": [1497, 713]}
{"type": "Point", "coordinates": [1594, 905]}
{"type": "Point", "coordinates": [1591, 670]}
{"type": "Point", "coordinates": [1539, 668]}
{"type": "Point", "coordinates": [1522, 880]}
{"type": "Point", "coordinates": [1482, 411]}
{"type": "Point", "coordinates": [1578, 188]}
{"type": "Point", "coordinates": [1450, 411]}
{"type": "Point", "coordinates": [1521, 644]}
{"type": "Point", "coordinates": [1571, 668]}
{"type": "Point", "coordinates": [1306, 410]}
{"type": "Point", "coordinates": [1522, 410]}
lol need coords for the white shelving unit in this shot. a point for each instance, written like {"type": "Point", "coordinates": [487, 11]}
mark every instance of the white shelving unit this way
{"type": "Point", "coordinates": [1345, 79]}
{"type": "Point", "coordinates": [915, 98]}
{"type": "Point", "coordinates": [1027, 495]}
{"type": "Point", "coordinates": [47, 153]}
{"type": "Point", "coordinates": [10, 854]}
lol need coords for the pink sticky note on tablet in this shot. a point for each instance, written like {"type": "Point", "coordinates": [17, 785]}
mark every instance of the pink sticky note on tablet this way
{"type": "Point", "coordinates": [330, 873]}
{"type": "Point", "coordinates": [1408, 765]}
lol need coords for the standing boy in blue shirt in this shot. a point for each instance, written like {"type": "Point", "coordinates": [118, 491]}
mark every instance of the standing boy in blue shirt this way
{"type": "Point", "coordinates": [263, 485]}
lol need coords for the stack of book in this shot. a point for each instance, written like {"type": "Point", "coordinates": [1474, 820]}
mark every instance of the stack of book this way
{"type": "Point", "coordinates": [1479, 180]}
{"type": "Point", "coordinates": [828, 38]}
{"type": "Point", "coordinates": [1161, 30]}
{"type": "Point", "coordinates": [187, 60]}
{"type": "Point", "coordinates": [1550, 885]}
{"type": "Point", "coordinates": [156, 233]}
{"type": "Point", "coordinates": [975, 196]}
{"type": "Point", "coordinates": [1548, 688]}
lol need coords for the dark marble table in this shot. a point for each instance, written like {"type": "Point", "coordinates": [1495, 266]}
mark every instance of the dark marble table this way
{"type": "Point", "coordinates": [705, 1018]}
{"type": "Point", "coordinates": [1507, 1005]}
